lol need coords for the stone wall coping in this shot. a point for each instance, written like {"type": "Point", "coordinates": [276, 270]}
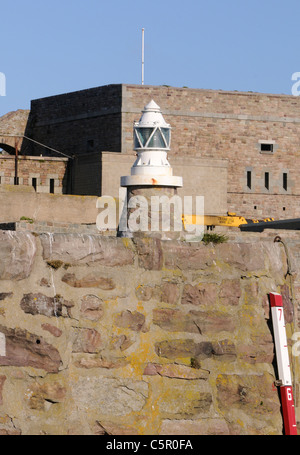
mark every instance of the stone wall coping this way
{"type": "Point", "coordinates": [33, 158]}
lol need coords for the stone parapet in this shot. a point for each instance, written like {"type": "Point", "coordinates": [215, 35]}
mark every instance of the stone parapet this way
{"type": "Point", "coordinates": [103, 335]}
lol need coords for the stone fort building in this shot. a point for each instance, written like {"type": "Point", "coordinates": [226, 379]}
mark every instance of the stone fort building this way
{"type": "Point", "coordinates": [238, 149]}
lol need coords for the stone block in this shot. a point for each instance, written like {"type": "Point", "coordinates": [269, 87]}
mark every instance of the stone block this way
{"type": "Point", "coordinates": [184, 399]}
{"type": "Point", "coordinates": [4, 295]}
{"type": "Point", "coordinates": [134, 321]}
{"type": "Point", "coordinates": [213, 321]}
{"type": "Point", "coordinates": [55, 331]}
{"type": "Point", "coordinates": [245, 256]}
{"type": "Point", "coordinates": [252, 393]}
{"type": "Point", "coordinates": [230, 292]}
{"type": "Point", "coordinates": [149, 251]}
{"type": "Point", "coordinates": [173, 370]}
{"type": "Point", "coordinates": [287, 303]}
{"type": "Point", "coordinates": [27, 349]}
{"type": "Point", "coordinates": [41, 304]}
{"type": "Point", "coordinates": [178, 255]}
{"type": "Point", "coordinates": [144, 292]}
{"type": "Point", "coordinates": [174, 320]}
{"type": "Point", "coordinates": [92, 280]}
{"type": "Point", "coordinates": [194, 321]}
{"type": "Point", "coordinates": [112, 428]}
{"type": "Point", "coordinates": [85, 249]}
{"type": "Point", "coordinates": [202, 427]}
{"type": "Point", "coordinates": [110, 396]}
{"type": "Point", "coordinates": [170, 292]}
{"type": "Point", "coordinates": [91, 307]}
{"type": "Point", "coordinates": [205, 293]}
{"type": "Point", "coordinates": [17, 254]}
{"type": "Point", "coordinates": [225, 349]}
{"type": "Point", "coordinates": [40, 395]}
{"type": "Point", "coordinates": [87, 340]}
{"type": "Point", "coordinates": [184, 348]}
{"type": "Point", "coordinates": [7, 426]}
{"type": "Point", "coordinates": [2, 380]}
{"type": "Point", "coordinates": [100, 362]}
{"type": "Point", "coordinates": [259, 350]}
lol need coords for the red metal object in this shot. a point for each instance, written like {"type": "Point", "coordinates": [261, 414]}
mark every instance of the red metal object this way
{"type": "Point", "coordinates": [275, 299]}
{"type": "Point", "coordinates": [288, 410]}
{"type": "Point", "coordinates": [283, 363]}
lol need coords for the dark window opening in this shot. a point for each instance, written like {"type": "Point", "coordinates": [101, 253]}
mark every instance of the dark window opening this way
{"type": "Point", "coordinates": [90, 145]}
{"type": "Point", "coordinates": [255, 207]}
{"type": "Point", "coordinates": [267, 182]}
{"type": "Point", "coordinates": [52, 186]}
{"type": "Point", "coordinates": [249, 179]}
{"type": "Point", "coordinates": [284, 181]}
{"type": "Point", "coordinates": [283, 208]}
{"type": "Point", "coordinates": [33, 182]}
{"type": "Point", "coordinates": [266, 147]}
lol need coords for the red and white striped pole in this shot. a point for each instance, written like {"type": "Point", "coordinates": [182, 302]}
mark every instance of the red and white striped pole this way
{"type": "Point", "coordinates": [283, 364]}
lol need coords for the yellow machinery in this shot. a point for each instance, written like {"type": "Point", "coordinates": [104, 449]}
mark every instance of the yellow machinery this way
{"type": "Point", "coordinates": [231, 220]}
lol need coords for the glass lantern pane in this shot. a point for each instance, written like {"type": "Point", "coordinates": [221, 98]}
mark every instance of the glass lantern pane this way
{"type": "Point", "coordinates": [137, 144]}
{"type": "Point", "coordinates": [157, 141]}
{"type": "Point", "coordinates": [144, 134]}
{"type": "Point", "coordinates": [166, 133]}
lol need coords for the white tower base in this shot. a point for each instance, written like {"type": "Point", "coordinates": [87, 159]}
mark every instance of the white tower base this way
{"type": "Point", "coordinates": [148, 180]}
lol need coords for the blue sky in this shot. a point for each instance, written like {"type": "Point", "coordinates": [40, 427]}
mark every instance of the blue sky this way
{"type": "Point", "coordinates": [57, 46]}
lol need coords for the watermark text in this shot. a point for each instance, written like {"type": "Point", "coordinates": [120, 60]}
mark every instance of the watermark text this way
{"type": "Point", "coordinates": [2, 84]}
{"type": "Point", "coordinates": [296, 85]}
{"type": "Point", "coordinates": [157, 213]}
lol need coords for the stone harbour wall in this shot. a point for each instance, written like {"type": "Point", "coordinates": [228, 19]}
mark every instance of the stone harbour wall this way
{"type": "Point", "coordinates": [105, 335]}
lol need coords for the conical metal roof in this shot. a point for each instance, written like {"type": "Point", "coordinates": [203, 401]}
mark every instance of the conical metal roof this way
{"type": "Point", "coordinates": [152, 116]}
{"type": "Point", "coordinates": [152, 106]}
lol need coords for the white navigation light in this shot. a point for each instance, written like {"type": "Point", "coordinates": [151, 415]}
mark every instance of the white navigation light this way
{"type": "Point", "coordinates": [152, 138]}
{"type": "Point", "coordinates": [152, 132]}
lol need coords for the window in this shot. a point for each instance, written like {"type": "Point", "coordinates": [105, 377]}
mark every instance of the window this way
{"type": "Point", "coordinates": [284, 181]}
{"type": "Point", "coordinates": [33, 182]}
{"type": "Point", "coordinates": [267, 180]}
{"type": "Point", "coordinates": [52, 186]}
{"type": "Point", "coordinates": [249, 179]}
{"type": "Point", "coordinates": [90, 145]}
{"type": "Point", "coordinates": [266, 147]}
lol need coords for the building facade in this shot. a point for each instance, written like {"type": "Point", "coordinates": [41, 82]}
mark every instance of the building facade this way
{"type": "Point", "coordinates": [240, 150]}
{"type": "Point", "coordinates": [44, 174]}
